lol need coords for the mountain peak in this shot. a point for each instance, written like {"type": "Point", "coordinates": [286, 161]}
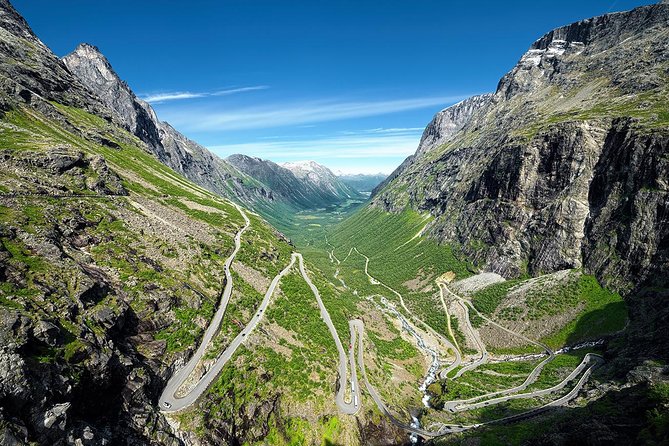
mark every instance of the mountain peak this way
{"type": "Point", "coordinates": [303, 165]}
{"type": "Point", "coordinates": [87, 47]}
{"type": "Point", "coordinates": [11, 20]}
{"type": "Point", "coordinates": [92, 68]}
{"type": "Point", "coordinates": [450, 120]}
{"type": "Point", "coordinates": [88, 61]}
{"type": "Point", "coordinates": [310, 170]}
{"type": "Point", "coordinates": [91, 52]}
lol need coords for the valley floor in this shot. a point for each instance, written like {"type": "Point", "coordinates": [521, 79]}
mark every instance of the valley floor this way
{"type": "Point", "coordinates": [438, 351]}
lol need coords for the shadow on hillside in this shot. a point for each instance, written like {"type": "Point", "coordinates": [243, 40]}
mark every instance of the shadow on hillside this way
{"type": "Point", "coordinates": [598, 323]}
{"type": "Point", "coordinates": [631, 415]}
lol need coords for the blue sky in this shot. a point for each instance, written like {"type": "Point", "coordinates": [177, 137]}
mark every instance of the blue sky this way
{"type": "Point", "coordinates": [348, 83]}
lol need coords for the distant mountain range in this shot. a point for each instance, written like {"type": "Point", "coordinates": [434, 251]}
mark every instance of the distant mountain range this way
{"type": "Point", "coordinates": [364, 183]}
{"type": "Point", "coordinates": [259, 184]}
{"type": "Point", "coordinates": [305, 185]}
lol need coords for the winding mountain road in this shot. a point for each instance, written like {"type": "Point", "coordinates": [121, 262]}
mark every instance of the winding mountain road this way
{"type": "Point", "coordinates": [477, 338]}
{"type": "Point", "coordinates": [589, 362]}
{"type": "Point", "coordinates": [170, 402]}
{"type": "Point", "coordinates": [347, 371]}
{"type": "Point", "coordinates": [357, 331]}
{"type": "Point", "coordinates": [349, 407]}
{"type": "Point", "coordinates": [416, 321]}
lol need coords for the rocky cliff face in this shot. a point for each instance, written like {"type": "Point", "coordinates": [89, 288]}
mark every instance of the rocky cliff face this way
{"type": "Point", "coordinates": [449, 121]}
{"type": "Point", "coordinates": [92, 68]}
{"type": "Point", "coordinates": [171, 147]}
{"type": "Point", "coordinates": [28, 68]}
{"type": "Point", "coordinates": [440, 130]}
{"type": "Point", "coordinates": [304, 186]}
{"type": "Point", "coordinates": [534, 180]}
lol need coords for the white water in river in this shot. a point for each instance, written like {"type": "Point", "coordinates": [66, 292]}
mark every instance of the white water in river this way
{"type": "Point", "coordinates": [431, 375]}
{"type": "Point", "coordinates": [415, 439]}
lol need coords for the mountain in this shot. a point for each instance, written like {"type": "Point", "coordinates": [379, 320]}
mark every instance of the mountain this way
{"type": "Point", "coordinates": [173, 149]}
{"type": "Point", "coordinates": [449, 122]}
{"type": "Point", "coordinates": [536, 177]}
{"type": "Point", "coordinates": [562, 171]}
{"type": "Point", "coordinates": [322, 178]}
{"type": "Point", "coordinates": [305, 185]}
{"type": "Point", "coordinates": [441, 129]}
{"type": "Point", "coordinates": [112, 265]}
{"type": "Point", "coordinates": [364, 183]}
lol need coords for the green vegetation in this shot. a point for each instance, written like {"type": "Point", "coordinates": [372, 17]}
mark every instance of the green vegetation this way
{"type": "Point", "coordinates": [182, 276]}
{"type": "Point", "coordinates": [488, 299]}
{"type": "Point", "coordinates": [185, 332]}
{"type": "Point", "coordinates": [487, 378]}
{"type": "Point", "coordinates": [263, 249]}
{"type": "Point", "coordinates": [648, 107]}
{"type": "Point", "coordinates": [244, 302]}
{"type": "Point", "coordinates": [312, 354]}
{"type": "Point", "coordinates": [331, 430]}
{"type": "Point", "coordinates": [150, 270]}
{"type": "Point", "coordinates": [558, 369]}
{"type": "Point", "coordinates": [460, 336]}
{"type": "Point", "coordinates": [656, 431]}
{"type": "Point", "coordinates": [476, 320]}
{"type": "Point", "coordinates": [236, 387]}
{"type": "Point", "coordinates": [307, 226]}
{"type": "Point", "coordinates": [397, 348]}
{"type": "Point", "coordinates": [604, 312]}
{"type": "Point", "coordinates": [394, 257]}
{"type": "Point", "coordinates": [294, 432]}
{"type": "Point", "coordinates": [600, 311]}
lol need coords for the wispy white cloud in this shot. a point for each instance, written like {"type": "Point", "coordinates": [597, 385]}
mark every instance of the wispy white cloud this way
{"type": "Point", "coordinates": [382, 131]}
{"type": "Point", "coordinates": [239, 90]}
{"type": "Point", "coordinates": [201, 119]}
{"type": "Point", "coordinates": [172, 96]}
{"type": "Point", "coordinates": [180, 95]}
{"type": "Point", "coordinates": [371, 153]}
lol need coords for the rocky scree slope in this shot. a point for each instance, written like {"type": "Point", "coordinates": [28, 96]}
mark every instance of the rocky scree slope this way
{"type": "Point", "coordinates": [565, 166]}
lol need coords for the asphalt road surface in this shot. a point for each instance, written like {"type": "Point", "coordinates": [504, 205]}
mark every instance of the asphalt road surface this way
{"type": "Point", "coordinates": [168, 401]}
{"type": "Point", "coordinates": [351, 404]}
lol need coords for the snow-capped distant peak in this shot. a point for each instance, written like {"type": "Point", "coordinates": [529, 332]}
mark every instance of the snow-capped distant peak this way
{"type": "Point", "coordinates": [303, 165]}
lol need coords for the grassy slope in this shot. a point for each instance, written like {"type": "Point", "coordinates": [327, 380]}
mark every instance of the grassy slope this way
{"type": "Point", "coordinates": [156, 268]}
{"type": "Point", "coordinates": [602, 312]}
{"type": "Point", "coordinates": [395, 258]}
